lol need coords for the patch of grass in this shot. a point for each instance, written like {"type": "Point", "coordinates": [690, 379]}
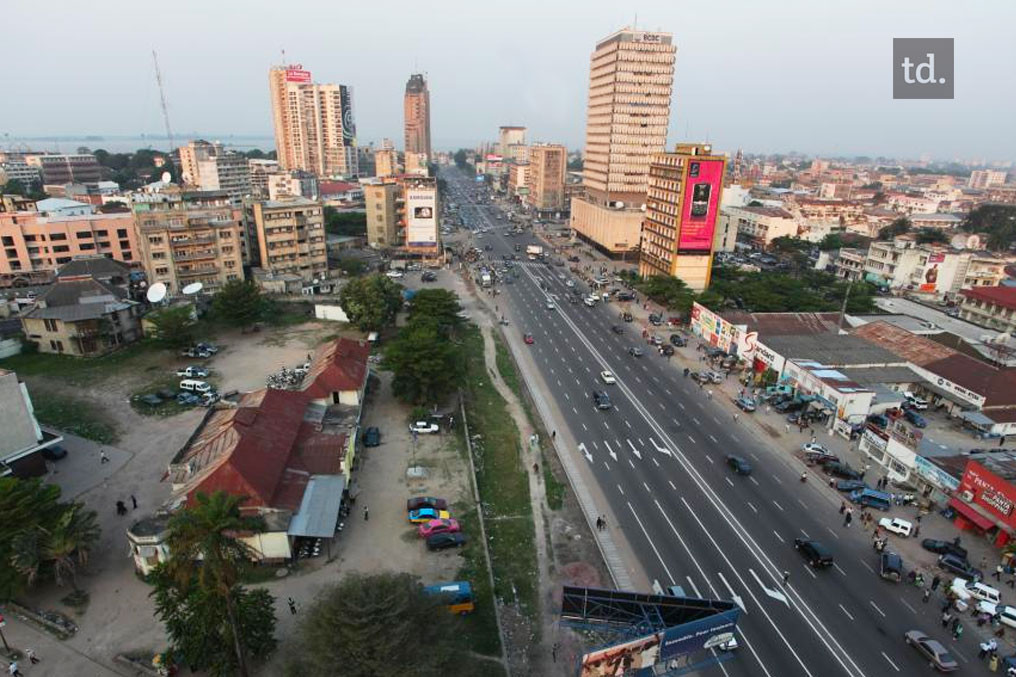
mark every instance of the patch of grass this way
{"type": "Point", "coordinates": [506, 366]}
{"type": "Point", "coordinates": [74, 415]}
{"type": "Point", "coordinates": [288, 314]}
{"type": "Point", "coordinates": [555, 489]}
{"type": "Point", "coordinates": [502, 482]}
{"type": "Point", "coordinates": [82, 370]}
{"type": "Point", "coordinates": [479, 629]}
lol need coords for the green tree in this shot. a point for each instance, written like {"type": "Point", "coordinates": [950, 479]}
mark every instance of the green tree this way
{"type": "Point", "coordinates": [461, 158]}
{"type": "Point", "coordinates": [174, 327]}
{"type": "Point", "coordinates": [438, 306]}
{"type": "Point", "coordinates": [575, 164]}
{"type": "Point", "coordinates": [931, 236]}
{"type": "Point", "coordinates": [363, 623]}
{"type": "Point", "coordinates": [206, 565]}
{"type": "Point", "coordinates": [240, 303]}
{"type": "Point", "coordinates": [997, 220]}
{"type": "Point", "coordinates": [371, 302]}
{"type": "Point", "coordinates": [831, 241]}
{"type": "Point", "coordinates": [352, 266]}
{"type": "Point", "coordinates": [345, 223]}
{"type": "Point", "coordinates": [755, 203]}
{"type": "Point", "coordinates": [423, 363]}
{"type": "Point", "coordinates": [897, 227]}
{"type": "Point", "coordinates": [670, 292]}
{"type": "Point", "coordinates": [788, 245]}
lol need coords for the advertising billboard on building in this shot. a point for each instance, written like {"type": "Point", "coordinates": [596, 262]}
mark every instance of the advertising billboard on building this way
{"type": "Point", "coordinates": [348, 124]}
{"type": "Point", "coordinates": [989, 491]}
{"type": "Point", "coordinates": [702, 184]}
{"type": "Point", "coordinates": [421, 215]}
{"type": "Point", "coordinates": [297, 75]}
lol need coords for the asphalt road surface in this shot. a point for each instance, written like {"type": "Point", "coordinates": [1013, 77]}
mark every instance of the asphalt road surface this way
{"type": "Point", "coordinates": [659, 456]}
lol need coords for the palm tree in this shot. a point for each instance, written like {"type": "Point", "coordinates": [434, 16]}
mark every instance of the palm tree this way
{"type": "Point", "coordinates": [69, 543]}
{"type": "Point", "coordinates": [205, 550]}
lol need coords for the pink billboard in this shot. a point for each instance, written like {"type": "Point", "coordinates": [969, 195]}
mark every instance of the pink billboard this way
{"type": "Point", "coordinates": [297, 75]}
{"type": "Point", "coordinates": [701, 205]}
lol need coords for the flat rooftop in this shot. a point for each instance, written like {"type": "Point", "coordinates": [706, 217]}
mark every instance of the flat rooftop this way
{"type": "Point", "coordinates": [831, 350]}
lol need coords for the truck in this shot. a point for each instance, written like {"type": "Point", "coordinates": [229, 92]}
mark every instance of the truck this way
{"type": "Point", "coordinates": [534, 251]}
{"type": "Point", "coordinates": [485, 278]}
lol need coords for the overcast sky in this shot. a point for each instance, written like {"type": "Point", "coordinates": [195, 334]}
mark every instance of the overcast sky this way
{"type": "Point", "coordinates": [806, 75]}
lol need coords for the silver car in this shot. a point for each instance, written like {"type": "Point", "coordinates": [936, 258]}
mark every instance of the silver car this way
{"type": "Point", "coordinates": [938, 656]}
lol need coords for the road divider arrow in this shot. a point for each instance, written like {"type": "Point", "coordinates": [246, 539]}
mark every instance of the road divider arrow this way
{"type": "Point", "coordinates": [775, 594]}
{"type": "Point", "coordinates": [634, 450]}
{"type": "Point", "coordinates": [662, 450]}
{"type": "Point", "coordinates": [585, 452]}
{"type": "Point", "coordinates": [612, 454]}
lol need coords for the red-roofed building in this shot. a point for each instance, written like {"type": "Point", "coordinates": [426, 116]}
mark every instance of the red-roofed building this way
{"type": "Point", "coordinates": [338, 373]}
{"type": "Point", "coordinates": [340, 191]}
{"type": "Point", "coordinates": [991, 307]}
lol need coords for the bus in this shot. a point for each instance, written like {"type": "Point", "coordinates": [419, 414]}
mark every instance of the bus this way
{"type": "Point", "coordinates": [871, 498]}
{"type": "Point", "coordinates": [457, 596]}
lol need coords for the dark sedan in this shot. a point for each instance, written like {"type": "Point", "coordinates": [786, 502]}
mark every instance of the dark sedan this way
{"type": "Point", "coordinates": [426, 502]}
{"type": "Point", "coordinates": [54, 453]}
{"type": "Point", "coordinates": [445, 540]}
{"type": "Point", "coordinates": [850, 485]}
{"type": "Point", "coordinates": [739, 465]}
{"type": "Point", "coordinates": [944, 547]}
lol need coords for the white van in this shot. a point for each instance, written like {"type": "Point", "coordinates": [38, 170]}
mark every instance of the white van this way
{"type": "Point", "coordinates": [195, 386]}
{"type": "Point", "coordinates": [985, 593]}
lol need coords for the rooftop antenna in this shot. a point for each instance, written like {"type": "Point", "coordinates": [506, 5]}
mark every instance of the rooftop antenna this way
{"type": "Point", "coordinates": [162, 98]}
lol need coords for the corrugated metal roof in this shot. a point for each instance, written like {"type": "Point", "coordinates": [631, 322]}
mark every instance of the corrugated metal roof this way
{"type": "Point", "coordinates": [319, 509]}
{"type": "Point", "coordinates": [903, 343]}
{"type": "Point", "coordinates": [337, 367]}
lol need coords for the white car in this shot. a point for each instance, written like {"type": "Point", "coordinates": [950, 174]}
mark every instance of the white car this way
{"type": "Point", "coordinates": [608, 377]}
{"type": "Point", "coordinates": [898, 526]}
{"type": "Point", "coordinates": [815, 448]}
{"type": "Point", "coordinates": [550, 305]}
{"type": "Point", "coordinates": [916, 402]}
{"type": "Point", "coordinates": [192, 372]}
{"type": "Point", "coordinates": [424, 428]}
{"type": "Point", "coordinates": [1006, 613]}
{"type": "Point", "coordinates": [394, 274]}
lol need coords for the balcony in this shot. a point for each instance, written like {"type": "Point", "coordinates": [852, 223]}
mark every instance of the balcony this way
{"type": "Point", "coordinates": [199, 270]}
{"type": "Point", "coordinates": [191, 241]}
{"type": "Point", "coordinates": [195, 256]}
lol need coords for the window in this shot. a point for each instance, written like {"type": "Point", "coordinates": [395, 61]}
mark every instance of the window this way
{"type": "Point", "coordinates": [58, 236]}
{"type": "Point", "coordinates": [56, 346]}
{"type": "Point", "coordinates": [121, 232]}
{"type": "Point", "coordinates": [87, 246]}
{"type": "Point", "coordinates": [155, 240]}
{"type": "Point", "coordinates": [161, 271]}
{"type": "Point", "coordinates": [63, 259]}
{"type": "Point", "coordinates": [50, 325]}
{"type": "Point", "coordinates": [8, 241]}
{"type": "Point", "coordinates": [83, 235]}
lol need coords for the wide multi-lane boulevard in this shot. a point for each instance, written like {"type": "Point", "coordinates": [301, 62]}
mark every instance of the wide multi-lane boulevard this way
{"type": "Point", "coordinates": [658, 459]}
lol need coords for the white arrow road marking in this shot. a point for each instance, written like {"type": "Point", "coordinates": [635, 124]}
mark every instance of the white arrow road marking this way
{"type": "Point", "coordinates": [662, 450]}
{"type": "Point", "coordinates": [737, 599]}
{"type": "Point", "coordinates": [612, 454]}
{"type": "Point", "coordinates": [775, 594]}
{"type": "Point", "coordinates": [589, 457]}
{"type": "Point", "coordinates": [634, 450]}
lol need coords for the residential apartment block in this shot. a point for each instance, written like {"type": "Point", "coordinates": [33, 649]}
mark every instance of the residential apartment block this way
{"type": "Point", "coordinates": [61, 169]}
{"type": "Point", "coordinates": [982, 179]}
{"type": "Point", "coordinates": [759, 226]}
{"type": "Point", "coordinates": [931, 269]}
{"type": "Point", "coordinates": [416, 111]}
{"type": "Point", "coordinates": [190, 237]}
{"type": "Point", "coordinates": [383, 204]}
{"type": "Point", "coordinates": [992, 307]}
{"type": "Point", "coordinates": [208, 166]}
{"type": "Point", "coordinates": [545, 179]}
{"type": "Point", "coordinates": [291, 237]}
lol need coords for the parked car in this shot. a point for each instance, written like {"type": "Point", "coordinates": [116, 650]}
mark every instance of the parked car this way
{"type": "Point", "coordinates": [895, 525]}
{"type": "Point", "coordinates": [714, 376]}
{"type": "Point", "coordinates": [54, 453]}
{"type": "Point", "coordinates": [187, 399]}
{"type": "Point", "coordinates": [678, 340]}
{"type": "Point", "coordinates": [439, 526]}
{"type": "Point", "coordinates": [549, 305]}
{"type": "Point", "coordinates": [738, 464]}
{"type": "Point", "coordinates": [698, 377]}
{"type": "Point", "coordinates": [371, 437]}
{"type": "Point", "coordinates": [815, 447]}
{"type": "Point", "coordinates": [745, 403]}
{"type": "Point", "coordinates": [839, 469]}
{"type": "Point", "coordinates": [915, 401]}
{"type": "Point", "coordinates": [424, 427]}
{"type": "Point", "coordinates": [814, 552]}
{"type": "Point", "coordinates": [944, 547]}
{"type": "Point", "coordinates": [394, 274]}
{"type": "Point", "coordinates": [788, 406]}
{"type": "Point", "coordinates": [666, 350]}
{"type": "Point", "coordinates": [965, 589]}
{"type": "Point", "coordinates": [418, 502]}
{"type": "Point", "coordinates": [608, 377]}
{"type": "Point", "coordinates": [655, 319]}
{"type": "Point", "coordinates": [933, 650]}
{"type": "Point", "coordinates": [635, 351]}
{"type": "Point", "coordinates": [192, 372]}
{"type": "Point", "coordinates": [427, 514]}
{"type": "Point", "coordinates": [617, 329]}
{"type": "Point", "coordinates": [151, 399]}
{"type": "Point", "coordinates": [446, 540]}
{"type": "Point", "coordinates": [959, 566]}
{"type": "Point", "coordinates": [850, 485]}
{"type": "Point", "coordinates": [891, 566]}
{"type": "Point", "coordinates": [916, 419]}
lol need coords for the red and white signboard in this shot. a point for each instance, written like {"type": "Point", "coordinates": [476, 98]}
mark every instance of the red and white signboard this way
{"type": "Point", "coordinates": [297, 75]}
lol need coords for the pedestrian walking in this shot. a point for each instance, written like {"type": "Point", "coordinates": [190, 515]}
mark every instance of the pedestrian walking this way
{"type": "Point", "coordinates": [13, 669]}
{"type": "Point", "coordinates": [946, 617]}
{"type": "Point", "coordinates": [786, 427]}
{"type": "Point", "coordinates": [926, 596]}
{"type": "Point", "coordinates": [993, 663]}
{"type": "Point", "coordinates": [848, 518]}
{"type": "Point", "coordinates": [366, 515]}
{"type": "Point", "coordinates": [843, 507]}
{"type": "Point", "coordinates": [554, 649]}
{"type": "Point", "coordinates": [102, 457]}
{"type": "Point", "coordinates": [735, 418]}
{"type": "Point", "coordinates": [292, 605]}
{"type": "Point", "coordinates": [536, 468]}
{"type": "Point", "coordinates": [786, 577]}
{"type": "Point", "coordinates": [935, 582]}
{"type": "Point", "coordinates": [958, 631]}
{"type": "Point", "coordinates": [30, 655]}
{"type": "Point", "coordinates": [599, 523]}
{"type": "Point", "coordinates": [998, 572]}
{"type": "Point", "coordinates": [955, 623]}
{"type": "Point", "coordinates": [134, 501]}
{"type": "Point", "coordinates": [603, 520]}
{"type": "Point", "coordinates": [553, 434]}
{"type": "Point", "coordinates": [813, 438]}
{"type": "Point", "coordinates": [709, 394]}
{"type": "Point", "coordinates": [121, 509]}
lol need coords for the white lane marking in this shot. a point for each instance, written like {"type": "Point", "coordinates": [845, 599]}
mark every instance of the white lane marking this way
{"type": "Point", "coordinates": [648, 490]}
{"type": "Point", "coordinates": [775, 594]}
{"type": "Point", "coordinates": [605, 424]}
{"type": "Point", "coordinates": [620, 489]}
{"type": "Point", "coordinates": [728, 481]}
{"type": "Point", "coordinates": [696, 421]}
{"type": "Point", "coordinates": [805, 533]}
{"type": "Point", "coordinates": [662, 450]}
{"type": "Point", "coordinates": [844, 609]}
{"type": "Point", "coordinates": [839, 569]}
{"type": "Point", "coordinates": [638, 379]}
{"type": "Point", "coordinates": [803, 504]}
{"type": "Point", "coordinates": [651, 544]}
{"type": "Point", "coordinates": [641, 443]}
{"type": "Point", "coordinates": [753, 455]}
{"type": "Point", "coordinates": [627, 424]}
{"type": "Point", "coordinates": [667, 391]}
{"type": "Point", "coordinates": [609, 450]}
{"type": "Point", "coordinates": [596, 446]}
{"type": "Point", "coordinates": [631, 464]}
{"type": "Point", "coordinates": [735, 438]}
{"type": "Point", "coordinates": [680, 405]}
{"type": "Point", "coordinates": [733, 595]}
{"type": "Point", "coordinates": [755, 481]}
{"type": "Point", "coordinates": [566, 397]}
{"type": "Point", "coordinates": [653, 458]}
{"type": "Point", "coordinates": [692, 439]}
{"type": "Point", "coordinates": [634, 450]}
{"type": "Point", "coordinates": [867, 566]}
{"type": "Point", "coordinates": [778, 505]}
{"type": "Point", "coordinates": [694, 587]}
{"type": "Point", "coordinates": [808, 569]}
{"type": "Point", "coordinates": [558, 382]}
{"type": "Point", "coordinates": [671, 485]}
{"type": "Point", "coordinates": [606, 465]}
{"type": "Point", "coordinates": [875, 606]}
{"type": "Point", "coordinates": [715, 441]}
{"type": "Point", "coordinates": [709, 458]}
{"type": "Point", "coordinates": [835, 535]}
{"type": "Point", "coordinates": [585, 452]}
{"type": "Point", "coordinates": [754, 509]}
{"type": "Point", "coordinates": [716, 420]}
{"type": "Point", "coordinates": [778, 536]}
{"type": "Point", "coordinates": [778, 480]}
{"type": "Point", "coordinates": [889, 660]}
{"type": "Point", "coordinates": [907, 605]}
{"type": "Point", "coordinates": [575, 410]}
{"type": "Point", "coordinates": [584, 427]}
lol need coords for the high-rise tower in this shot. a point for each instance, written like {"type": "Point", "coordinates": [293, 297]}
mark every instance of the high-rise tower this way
{"type": "Point", "coordinates": [416, 106]}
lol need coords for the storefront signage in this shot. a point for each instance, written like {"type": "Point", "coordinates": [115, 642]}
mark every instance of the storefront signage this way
{"type": "Point", "coordinates": [935, 475]}
{"type": "Point", "coordinates": [990, 491]}
{"type": "Point", "coordinates": [997, 501]}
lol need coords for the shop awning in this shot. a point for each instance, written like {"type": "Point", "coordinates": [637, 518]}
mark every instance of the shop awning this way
{"type": "Point", "coordinates": [971, 513]}
{"type": "Point", "coordinates": [977, 418]}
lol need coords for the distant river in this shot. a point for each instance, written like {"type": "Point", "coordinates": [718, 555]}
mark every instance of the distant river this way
{"type": "Point", "coordinates": [123, 144]}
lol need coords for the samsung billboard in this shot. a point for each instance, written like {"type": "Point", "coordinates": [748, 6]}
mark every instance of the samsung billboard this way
{"type": "Point", "coordinates": [421, 215]}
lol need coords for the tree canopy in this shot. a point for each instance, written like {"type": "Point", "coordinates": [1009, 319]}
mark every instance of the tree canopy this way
{"type": "Point", "coordinates": [371, 302]}
{"type": "Point", "coordinates": [998, 221]}
{"type": "Point", "coordinates": [931, 236]}
{"type": "Point", "coordinates": [788, 245]}
{"type": "Point", "coordinates": [670, 292]}
{"type": "Point", "coordinates": [174, 327]}
{"type": "Point", "coordinates": [812, 291]}
{"type": "Point", "coordinates": [423, 356]}
{"type": "Point", "coordinates": [461, 158]}
{"type": "Point", "coordinates": [438, 306]}
{"type": "Point", "coordinates": [32, 191]}
{"type": "Point", "coordinates": [345, 223]}
{"type": "Point", "coordinates": [40, 537]}
{"type": "Point", "coordinates": [375, 625]}
{"type": "Point", "coordinates": [239, 303]}
{"type": "Point", "coordinates": [897, 227]}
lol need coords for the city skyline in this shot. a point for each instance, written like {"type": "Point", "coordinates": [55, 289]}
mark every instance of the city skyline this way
{"type": "Point", "coordinates": [745, 77]}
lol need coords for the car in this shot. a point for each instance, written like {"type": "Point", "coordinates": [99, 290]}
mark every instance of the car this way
{"type": "Point", "coordinates": [371, 437]}
{"type": "Point", "coordinates": [815, 448]}
{"type": "Point", "coordinates": [738, 464]}
{"type": "Point", "coordinates": [439, 526]}
{"type": "Point", "coordinates": [915, 401]}
{"type": "Point", "coordinates": [602, 400]}
{"type": "Point", "coordinates": [427, 514]}
{"type": "Point", "coordinates": [151, 399]}
{"type": "Point", "coordinates": [916, 419]}
{"type": "Point", "coordinates": [745, 403]}
{"type": "Point", "coordinates": [895, 525]}
{"type": "Point", "coordinates": [654, 340]}
{"type": "Point", "coordinates": [192, 372]}
{"type": "Point", "coordinates": [569, 283]}
{"type": "Point", "coordinates": [625, 296]}
{"type": "Point", "coordinates": [944, 547]}
{"type": "Point", "coordinates": [1006, 614]}
{"type": "Point", "coordinates": [714, 376]}
{"type": "Point", "coordinates": [590, 301]}
{"type": "Point", "coordinates": [574, 259]}
{"type": "Point", "coordinates": [187, 399]}
{"type": "Point", "coordinates": [655, 319]}
{"type": "Point", "coordinates": [840, 469]}
{"type": "Point", "coordinates": [54, 453]}
{"type": "Point", "coordinates": [394, 274]}
{"type": "Point", "coordinates": [933, 650]}
{"type": "Point", "coordinates": [891, 566]}
{"type": "Point", "coordinates": [678, 340]}
{"type": "Point", "coordinates": [965, 589]}
{"type": "Point", "coordinates": [627, 317]}
{"type": "Point", "coordinates": [195, 352]}
{"type": "Point", "coordinates": [666, 349]}
{"type": "Point", "coordinates": [429, 276]}
{"type": "Point", "coordinates": [418, 502]}
{"type": "Point", "coordinates": [788, 406]}
{"type": "Point", "coordinates": [424, 427]}
{"type": "Point", "coordinates": [608, 377]}
{"type": "Point", "coordinates": [446, 540]}
{"type": "Point", "coordinates": [635, 351]}
{"type": "Point", "coordinates": [528, 338]}
{"type": "Point", "coordinates": [850, 485]}
{"type": "Point", "coordinates": [549, 305]}
{"type": "Point", "coordinates": [617, 329]}
{"type": "Point", "coordinates": [207, 347]}
{"type": "Point", "coordinates": [814, 552]}
{"type": "Point", "coordinates": [698, 377]}
{"type": "Point", "coordinates": [959, 566]}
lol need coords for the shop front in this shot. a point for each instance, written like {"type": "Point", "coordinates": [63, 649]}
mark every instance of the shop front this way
{"type": "Point", "coordinates": [985, 504]}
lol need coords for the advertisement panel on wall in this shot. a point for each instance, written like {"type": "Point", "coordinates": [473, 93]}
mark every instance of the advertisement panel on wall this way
{"type": "Point", "coordinates": [990, 491]}
{"type": "Point", "coordinates": [297, 74]}
{"type": "Point", "coordinates": [702, 184]}
{"type": "Point", "coordinates": [930, 276]}
{"type": "Point", "coordinates": [348, 124]}
{"type": "Point", "coordinates": [421, 215]}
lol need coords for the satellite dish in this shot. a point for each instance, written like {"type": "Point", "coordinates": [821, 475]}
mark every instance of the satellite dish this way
{"type": "Point", "coordinates": [192, 288]}
{"type": "Point", "coordinates": [1004, 337]}
{"type": "Point", "coordinates": [156, 292]}
{"type": "Point", "coordinates": [166, 177]}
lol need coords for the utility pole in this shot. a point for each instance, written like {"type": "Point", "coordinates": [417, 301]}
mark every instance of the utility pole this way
{"type": "Point", "coordinates": [162, 98]}
{"type": "Point", "coordinates": [843, 308]}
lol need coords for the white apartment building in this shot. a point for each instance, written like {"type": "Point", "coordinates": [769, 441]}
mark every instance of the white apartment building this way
{"type": "Point", "coordinates": [934, 270]}
{"type": "Point", "coordinates": [982, 179]}
{"type": "Point", "coordinates": [759, 226]}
